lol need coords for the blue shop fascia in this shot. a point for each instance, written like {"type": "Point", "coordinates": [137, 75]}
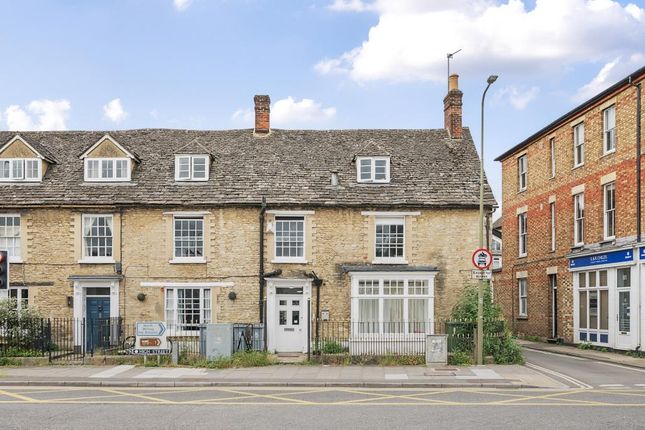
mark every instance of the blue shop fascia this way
{"type": "Point", "coordinates": [607, 297]}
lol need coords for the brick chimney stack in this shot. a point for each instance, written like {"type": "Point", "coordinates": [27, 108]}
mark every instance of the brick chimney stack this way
{"type": "Point", "coordinates": [262, 114]}
{"type": "Point", "coordinates": [452, 108]}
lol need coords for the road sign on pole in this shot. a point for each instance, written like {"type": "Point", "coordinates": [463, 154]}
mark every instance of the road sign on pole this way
{"type": "Point", "coordinates": [482, 258]}
{"type": "Point", "coordinates": [482, 274]}
{"type": "Point", "coordinates": [151, 339]}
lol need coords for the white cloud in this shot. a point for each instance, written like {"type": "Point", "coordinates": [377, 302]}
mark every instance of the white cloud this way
{"type": "Point", "coordinates": [351, 6]}
{"type": "Point", "coordinates": [412, 37]}
{"type": "Point", "coordinates": [181, 5]}
{"type": "Point", "coordinates": [289, 112]}
{"type": "Point", "coordinates": [114, 111]}
{"type": "Point", "coordinates": [243, 115]}
{"type": "Point", "coordinates": [519, 98]}
{"type": "Point", "coordinates": [608, 75]}
{"type": "Point", "coordinates": [39, 115]}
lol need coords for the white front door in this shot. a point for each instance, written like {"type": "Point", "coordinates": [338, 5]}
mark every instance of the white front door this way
{"type": "Point", "coordinates": [290, 323]}
{"type": "Point", "coordinates": [625, 324]}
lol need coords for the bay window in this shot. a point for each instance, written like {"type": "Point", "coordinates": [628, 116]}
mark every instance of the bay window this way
{"type": "Point", "coordinates": [392, 304]}
{"type": "Point", "coordinates": [188, 308]}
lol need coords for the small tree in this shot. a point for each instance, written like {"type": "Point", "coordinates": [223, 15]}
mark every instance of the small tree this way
{"type": "Point", "coordinates": [498, 340]}
{"type": "Point", "coordinates": [21, 329]}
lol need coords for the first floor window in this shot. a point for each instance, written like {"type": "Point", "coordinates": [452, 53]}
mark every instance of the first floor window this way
{"type": "Point", "coordinates": [392, 306]}
{"type": "Point", "coordinates": [189, 238]}
{"type": "Point", "coordinates": [552, 208]}
{"type": "Point", "coordinates": [522, 234]}
{"type": "Point", "coordinates": [290, 238]}
{"type": "Point", "coordinates": [523, 297]}
{"type": "Point", "coordinates": [97, 236]}
{"type": "Point", "coordinates": [609, 192]}
{"type": "Point", "coordinates": [20, 295]}
{"type": "Point", "coordinates": [10, 235]}
{"type": "Point", "coordinates": [188, 308]}
{"type": "Point", "coordinates": [390, 239]}
{"type": "Point", "coordinates": [578, 219]}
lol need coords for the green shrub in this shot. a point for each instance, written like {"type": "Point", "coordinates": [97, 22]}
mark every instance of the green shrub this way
{"type": "Point", "coordinates": [332, 347]}
{"type": "Point", "coordinates": [9, 361]}
{"type": "Point", "coordinates": [460, 358]}
{"type": "Point", "coordinates": [498, 340]}
{"type": "Point", "coordinates": [400, 360]}
{"type": "Point", "coordinates": [239, 359]}
{"type": "Point", "coordinates": [584, 345]}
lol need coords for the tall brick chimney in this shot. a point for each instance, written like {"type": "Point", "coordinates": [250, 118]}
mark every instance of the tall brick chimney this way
{"type": "Point", "coordinates": [452, 108]}
{"type": "Point", "coordinates": [262, 114]}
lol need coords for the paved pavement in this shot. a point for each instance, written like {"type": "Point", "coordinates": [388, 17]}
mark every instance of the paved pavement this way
{"type": "Point", "coordinates": [318, 408]}
{"type": "Point", "coordinates": [282, 375]}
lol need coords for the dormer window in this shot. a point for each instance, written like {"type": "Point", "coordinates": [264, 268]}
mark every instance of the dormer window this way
{"type": "Point", "coordinates": [373, 169]}
{"type": "Point", "coordinates": [107, 169]}
{"type": "Point", "coordinates": [191, 167]}
{"type": "Point", "coordinates": [108, 161]}
{"type": "Point", "coordinates": [20, 169]}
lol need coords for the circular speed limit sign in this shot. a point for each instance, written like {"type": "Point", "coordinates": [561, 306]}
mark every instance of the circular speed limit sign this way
{"type": "Point", "coordinates": [482, 258]}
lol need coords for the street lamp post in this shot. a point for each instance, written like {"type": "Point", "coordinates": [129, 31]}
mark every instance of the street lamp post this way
{"type": "Point", "coordinates": [480, 291]}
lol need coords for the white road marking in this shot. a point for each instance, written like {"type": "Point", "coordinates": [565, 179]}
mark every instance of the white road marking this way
{"type": "Point", "coordinates": [621, 366]}
{"type": "Point", "coordinates": [559, 355]}
{"type": "Point", "coordinates": [396, 376]}
{"type": "Point", "coordinates": [567, 378]}
{"type": "Point", "coordinates": [611, 385]}
{"type": "Point", "coordinates": [113, 371]}
{"type": "Point", "coordinates": [639, 385]}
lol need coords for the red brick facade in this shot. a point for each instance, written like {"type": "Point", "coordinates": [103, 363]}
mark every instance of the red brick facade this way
{"type": "Point", "coordinates": [543, 189]}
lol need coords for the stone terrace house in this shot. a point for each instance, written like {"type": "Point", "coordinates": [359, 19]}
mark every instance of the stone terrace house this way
{"type": "Point", "coordinates": [573, 249]}
{"type": "Point", "coordinates": [242, 225]}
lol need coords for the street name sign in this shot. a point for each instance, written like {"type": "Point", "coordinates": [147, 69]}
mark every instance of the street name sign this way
{"type": "Point", "coordinates": [482, 274]}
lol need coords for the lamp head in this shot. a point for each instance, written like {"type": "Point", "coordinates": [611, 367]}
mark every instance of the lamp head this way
{"type": "Point", "coordinates": [491, 79]}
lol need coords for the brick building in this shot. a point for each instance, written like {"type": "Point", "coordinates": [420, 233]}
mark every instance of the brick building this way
{"type": "Point", "coordinates": [242, 225]}
{"type": "Point", "coordinates": [573, 249]}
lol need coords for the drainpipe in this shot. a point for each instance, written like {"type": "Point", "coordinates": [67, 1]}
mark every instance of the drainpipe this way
{"type": "Point", "coordinates": [263, 208]}
{"type": "Point", "coordinates": [638, 185]}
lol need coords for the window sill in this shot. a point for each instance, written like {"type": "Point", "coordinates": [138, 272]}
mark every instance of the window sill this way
{"type": "Point", "coordinates": [191, 180]}
{"type": "Point", "coordinates": [289, 261]}
{"type": "Point", "coordinates": [578, 166]}
{"type": "Point", "coordinates": [522, 256]}
{"type": "Point", "coordinates": [13, 260]}
{"type": "Point", "coordinates": [389, 261]}
{"type": "Point", "coordinates": [604, 154]}
{"type": "Point", "coordinates": [521, 191]}
{"type": "Point", "coordinates": [608, 240]}
{"type": "Point", "coordinates": [96, 261]}
{"type": "Point", "coordinates": [522, 318]}
{"type": "Point", "coordinates": [199, 260]}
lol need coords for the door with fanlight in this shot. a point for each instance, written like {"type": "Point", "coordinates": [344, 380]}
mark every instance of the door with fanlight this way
{"type": "Point", "coordinates": [624, 338]}
{"type": "Point", "coordinates": [290, 324]}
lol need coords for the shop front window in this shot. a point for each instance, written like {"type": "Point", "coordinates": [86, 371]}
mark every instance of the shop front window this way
{"type": "Point", "coordinates": [593, 306]}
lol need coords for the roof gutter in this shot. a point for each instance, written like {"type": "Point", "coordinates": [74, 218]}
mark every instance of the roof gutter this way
{"type": "Point", "coordinates": [564, 118]}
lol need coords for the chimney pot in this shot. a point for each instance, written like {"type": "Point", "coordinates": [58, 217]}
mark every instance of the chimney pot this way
{"type": "Point", "coordinates": [262, 114]}
{"type": "Point", "coordinates": [452, 108]}
{"type": "Point", "coordinates": [453, 82]}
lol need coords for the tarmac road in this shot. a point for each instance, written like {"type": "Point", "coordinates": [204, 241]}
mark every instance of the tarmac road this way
{"type": "Point", "coordinates": [582, 372]}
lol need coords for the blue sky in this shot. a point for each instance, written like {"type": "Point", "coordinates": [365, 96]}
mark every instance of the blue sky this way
{"type": "Point", "coordinates": [89, 64]}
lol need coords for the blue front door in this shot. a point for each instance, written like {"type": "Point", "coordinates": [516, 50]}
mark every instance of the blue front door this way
{"type": "Point", "coordinates": [97, 322]}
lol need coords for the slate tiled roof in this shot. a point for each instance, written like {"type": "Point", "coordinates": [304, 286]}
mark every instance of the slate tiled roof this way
{"type": "Point", "coordinates": [288, 167]}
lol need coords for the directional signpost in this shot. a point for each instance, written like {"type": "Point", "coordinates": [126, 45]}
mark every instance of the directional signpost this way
{"type": "Point", "coordinates": [151, 339]}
